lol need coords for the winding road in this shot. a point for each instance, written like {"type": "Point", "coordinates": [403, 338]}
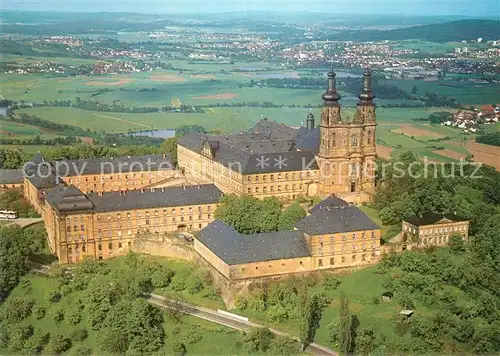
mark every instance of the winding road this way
{"type": "Point", "coordinates": [235, 322]}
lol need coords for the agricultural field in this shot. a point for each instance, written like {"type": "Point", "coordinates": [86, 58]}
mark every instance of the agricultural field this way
{"type": "Point", "coordinates": [396, 133]}
{"type": "Point", "coordinates": [464, 92]}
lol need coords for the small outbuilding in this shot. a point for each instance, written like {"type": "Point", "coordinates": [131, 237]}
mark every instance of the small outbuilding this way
{"type": "Point", "coordinates": [387, 297]}
{"type": "Point", "coordinates": [406, 313]}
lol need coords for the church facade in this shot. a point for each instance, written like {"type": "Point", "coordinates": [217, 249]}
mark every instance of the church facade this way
{"type": "Point", "coordinates": [337, 157]}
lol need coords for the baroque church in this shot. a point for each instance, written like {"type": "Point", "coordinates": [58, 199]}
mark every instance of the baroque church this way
{"type": "Point", "coordinates": [271, 159]}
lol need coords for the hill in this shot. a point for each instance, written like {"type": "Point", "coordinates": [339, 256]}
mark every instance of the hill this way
{"type": "Point", "coordinates": [442, 32]}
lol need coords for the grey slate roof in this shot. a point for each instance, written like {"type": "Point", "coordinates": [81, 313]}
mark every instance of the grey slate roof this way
{"type": "Point", "coordinates": [114, 165]}
{"type": "Point", "coordinates": [235, 248]}
{"type": "Point", "coordinates": [155, 198]}
{"type": "Point", "coordinates": [431, 218]}
{"type": "Point", "coordinates": [332, 202]}
{"type": "Point", "coordinates": [332, 216]}
{"type": "Point", "coordinates": [11, 176]}
{"type": "Point", "coordinates": [257, 150]}
{"type": "Point", "coordinates": [68, 198]}
{"type": "Point", "coordinates": [309, 141]}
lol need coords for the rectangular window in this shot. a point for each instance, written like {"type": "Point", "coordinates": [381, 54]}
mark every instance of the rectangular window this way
{"type": "Point", "coordinates": [320, 262]}
{"type": "Point", "coordinates": [110, 246]}
{"type": "Point", "coordinates": [119, 245]}
{"type": "Point", "coordinates": [99, 247]}
{"type": "Point", "coordinates": [332, 261]}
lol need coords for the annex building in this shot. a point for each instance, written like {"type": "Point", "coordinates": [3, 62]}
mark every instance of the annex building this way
{"type": "Point", "coordinates": [335, 234]}
{"type": "Point", "coordinates": [337, 157]}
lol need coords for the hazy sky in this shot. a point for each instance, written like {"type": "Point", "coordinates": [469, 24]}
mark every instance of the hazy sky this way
{"type": "Point", "coordinates": [414, 7]}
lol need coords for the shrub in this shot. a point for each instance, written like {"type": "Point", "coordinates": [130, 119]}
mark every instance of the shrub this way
{"type": "Point", "coordinates": [66, 289]}
{"type": "Point", "coordinates": [81, 351]}
{"type": "Point", "coordinates": [330, 282]}
{"type": "Point", "coordinates": [17, 309]}
{"type": "Point", "coordinates": [79, 334]}
{"type": "Point", "coordinates": [36, 342]}
{"type": "Point", "coordinates": [241, 302]}
{"type": "Point", "coordinates": [210, 293]}
{"type": "Point", "coordinates": [54, 296]}
{"type": "Point", "coordinates": [194, 284]}
{"type": "Point", "coordinates": [258, 339]}
{"type": "Point", "coordinates": [73, 316]}
{"type": "Point", "coordinates": [191, 336]}
{"type": "Point", "coordinates": [59, 343]}
{"type": "Point", "coordinates": [58, 315]}
{"type": "Point", "coordinates": [179, 347]}
{"type": "Point", "coordinates": [283, 346]}
{"type": "Point", "coordinates": [375, 300]}
{"type": "Point", "coordinates": [18, 334]}
{"type": "Point", "coordinates": [179, 280]}
{"type": "Point", "coordinates": [161, 278]}
{"type": "Point", "coordinates": [38, 311]}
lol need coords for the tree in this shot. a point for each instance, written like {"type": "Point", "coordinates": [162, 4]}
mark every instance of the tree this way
{"type": "Point", "coordinates": [178, 347]}
{"type": "Point", "coordinates": [305, 317]}
{"type": "Point", "coordinates": [258, 339]}
{"type": "Point", "coordinates": [170, 147]}
{"type": "Point", "coordinates": [58, 343]}
{"type": "Point", "coordinates": [365, 342]}
{"type": "Point", "coordinates": [456, 244]}
{"type": "Point", "coordinates": [345, 336]}
{"type": "Point", "coordinates": [15, 247]}
{"type": "Point", "coordinates": [290, 216]}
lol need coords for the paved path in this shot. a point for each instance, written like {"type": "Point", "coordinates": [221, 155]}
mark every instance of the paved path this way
{"type": "Point", "coordinates": [23, 222]}
{"type": "Point", "coordinates": [231, 322]}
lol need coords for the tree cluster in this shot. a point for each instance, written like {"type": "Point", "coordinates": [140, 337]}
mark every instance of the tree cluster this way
{"type": "Point", "coordinates": [249, 215]}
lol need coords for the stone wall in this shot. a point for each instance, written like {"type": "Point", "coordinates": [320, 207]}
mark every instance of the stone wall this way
{"type": "Point", "coordinates": [164, 246]}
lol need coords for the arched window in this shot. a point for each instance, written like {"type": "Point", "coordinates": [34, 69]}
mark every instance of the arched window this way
{"type": "Point", "coordinates": [334, 140]}
{"type": "Point", "coordinates": [354, 140]}
{"type": "Point", "coordinates": [369, 138]}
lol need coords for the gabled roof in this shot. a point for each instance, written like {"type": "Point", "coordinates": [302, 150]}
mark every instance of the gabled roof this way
{"type": "Point", "coordinates": [332, 202]}
{"type": "Point", "coordinates": [268, 147]}
{"type": "Point", "coordinates": [334, 215]}
{"type": "Point", "coordinates": [156, 198]}
{"type": "Point", "coordinates": [68, 198]}
{"type": "Point", "coordinates": [11, 176]}
{"type": "Point", "coordinates": [309, 141]}
{"type": "Point", "coordinates": [235, 248]}
{"type": "Point", "coordinates": [432, 218]}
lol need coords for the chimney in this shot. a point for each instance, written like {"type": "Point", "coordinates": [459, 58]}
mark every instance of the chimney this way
{"type": "Point", "coordinates": [183, 187]}
{"type": "Point", "coordinates": [142, 190]}
{"type": "Point", "coordinates": [199, 186]}
{"type": "Point", "coordinates": [152, 190]}
{"type": "Point", "coordinates": [162, 189]}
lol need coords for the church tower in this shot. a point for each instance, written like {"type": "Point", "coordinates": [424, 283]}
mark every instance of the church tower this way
{"type": "Point", "coordinates": [366, 115]}
{"type": "Point", "coordinates": [346, 145]}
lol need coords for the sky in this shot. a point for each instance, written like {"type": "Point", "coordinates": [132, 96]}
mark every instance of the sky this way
{"type": "Point", "coordinates": [475, 8]}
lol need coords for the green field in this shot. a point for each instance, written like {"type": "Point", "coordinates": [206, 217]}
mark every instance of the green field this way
{"type": "Point", "coordinates": [466, 93]}
{"type": "Point", "coordinates": [225, 119]}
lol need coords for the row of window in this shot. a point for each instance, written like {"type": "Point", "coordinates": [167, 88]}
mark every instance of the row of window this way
{"type": "Point", "coordinates": [280, 176]}
{"type": "Point", "coordinates": [278, 188]}
{"type": "Point", "coordinates": [354, 247]}
{"type": "Point", "coordinates": [442, 230]}
{"type": "Point", "coordinates": [343, 259]}
{"type": "Point", "coordinates": [156, 212]}
{"type": "Point", "coordinates": [119, 176]}
{"type": "Point", "coordinates": [354, 235]}
{"type": "Point", "coordinates": [99, 247]}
